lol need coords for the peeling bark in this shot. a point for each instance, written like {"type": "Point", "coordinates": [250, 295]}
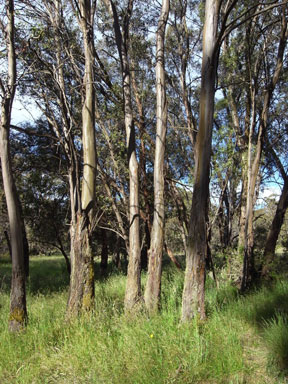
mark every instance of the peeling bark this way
{"type": "Point", "coordinates": [133, 285]}
{"type": "Point", "coordinates": [194, 284]}
{"type": "Point", "coordinates": [153, 285]}
{"type": "Point", "coordinates": [81, 293]}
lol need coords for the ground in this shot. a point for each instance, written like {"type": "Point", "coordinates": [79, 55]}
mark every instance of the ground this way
{"type": "Point", "coordinates": [244, 340]}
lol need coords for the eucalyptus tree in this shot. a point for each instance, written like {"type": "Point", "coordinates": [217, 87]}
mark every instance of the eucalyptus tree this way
{"type": "Point", "coordinates": [221, 18]}
{"type": "Point", "coordinates": [81, 292]}
{"type": "Point", "coordinates": [142, 76]}
{"type": "Point", "coordinates": [152, 291]}
{"type": "Point", "coordinates": [193, 292]}
{"type": "Point", "coordinates": [275, 146]}
{"type": "Point", "coordinates": [64, 86]}
{"type": "Point", "coordinates": [272, 77]}
{"type": "Point", "coordinates": [182, 68]}
{"type": "Point", "coordinates": [8, 82]}
{"type": "Point", "coordinates": [133, 286]}
{"type": "Point", "coordinates": [279, 215]}
{"type": "Point", "coordinates": [257, 66]}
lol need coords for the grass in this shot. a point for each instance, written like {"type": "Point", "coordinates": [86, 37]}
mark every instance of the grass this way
{"type": "Point", "coordinates": [244, 340]}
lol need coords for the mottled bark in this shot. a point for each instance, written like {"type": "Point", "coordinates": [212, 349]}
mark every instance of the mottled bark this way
{"type": "Point", "coordinates": [143, 174]}
{"type": "Point", "coordinates": [153, 285]}
{"type": "Point", "coordinates": [18, 311]}
{"type": "Point", "coordinates": [193, 292]}
{"type": "Point", "coordinates": [81, 293]}
{"type": "Point", "coordinates": [242, 142]}
{"type": "Point", "coordinates": [133, 285]}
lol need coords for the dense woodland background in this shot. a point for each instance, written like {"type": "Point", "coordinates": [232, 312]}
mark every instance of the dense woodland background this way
{"type": "Point", "coordinates": [157, 143]}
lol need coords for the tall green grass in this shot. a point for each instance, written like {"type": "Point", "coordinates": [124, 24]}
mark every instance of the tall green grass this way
{"type": "Point", "coordinates": [240, 342]}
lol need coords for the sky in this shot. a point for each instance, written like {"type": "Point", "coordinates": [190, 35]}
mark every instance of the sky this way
{"type": "Point", "coordinates": [24, 111]}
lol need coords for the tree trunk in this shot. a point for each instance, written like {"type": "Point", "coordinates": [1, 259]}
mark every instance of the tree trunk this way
{"type": "Point", "coordinates": [274, 231]}
{"type": "Point", "coordinates": [253, 168]}
{"type": "Point", "coordinates": [133, 285]}
{"type": "Point", "coordinates": [153, 285]}
{"type": "Point", "coordinates": [278, 219]}
{"type": "Point", "coordinates": [142, 164]}
{"type": "Point", "coordinates": [193, 292]}
{"type": "Point", "coordinates": [18, 311]}
{"type": "Point", "coordinates": [243, 202]}
{"type": "Point", "coordinates": [25, 247]}
{"type": "Point", "coordinates": [81, 293]}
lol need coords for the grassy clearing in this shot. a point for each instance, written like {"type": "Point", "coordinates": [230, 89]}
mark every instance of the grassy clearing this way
{"type": "Point", "coordinates": [244, 340]}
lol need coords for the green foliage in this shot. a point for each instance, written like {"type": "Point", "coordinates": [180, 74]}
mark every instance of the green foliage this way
{"type": "Point", "coordinates": [109, 347]}
{"type": "Point", "coordinates": [276, 334]}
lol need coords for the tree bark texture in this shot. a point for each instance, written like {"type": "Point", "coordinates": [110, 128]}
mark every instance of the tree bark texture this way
{"type": "Point", "coordinates": [143, 174]}
{"type": "Point", "coordinates": [153, 285]}
{"type": "Point", "coordinates": [81, 293]}
{"type": "Point", "coordinates": [133, 285]}
{"type": "Point", "coordinates": [18, 311]}
{"type": "Point", "coordinates": [193, 292]}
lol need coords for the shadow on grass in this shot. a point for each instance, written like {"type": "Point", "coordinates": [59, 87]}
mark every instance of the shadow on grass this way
{"type": "Point", "coordinates": [269, 313]}
{"type": "Point", "coordinates": [270, 309]}
{"type": "Point", "coordinates": [47, 275]}
{"type": "Point", "coordinates": [5, 275]}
